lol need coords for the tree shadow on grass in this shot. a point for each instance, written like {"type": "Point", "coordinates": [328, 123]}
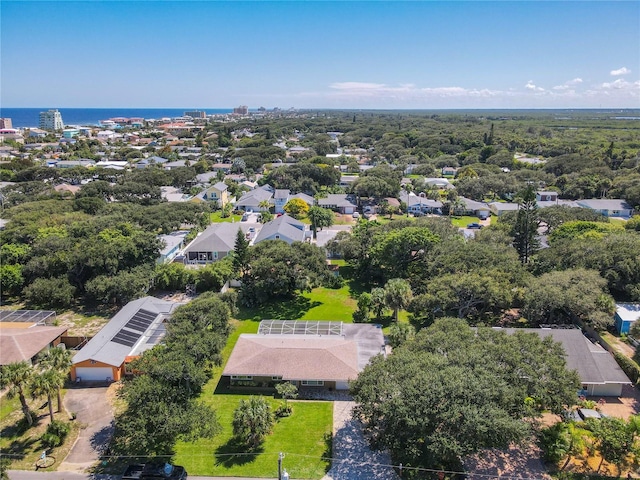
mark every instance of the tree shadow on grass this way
{"type": "Point", "coordinates": [356, 286]}
{"type": "Point", "coordinates": [292, 309]}
{"type": "Point", "coordinates": [228, 454]}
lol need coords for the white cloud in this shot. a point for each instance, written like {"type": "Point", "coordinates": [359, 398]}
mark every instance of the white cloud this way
{"type": "Point", "coordinates": [531, 86]}
{"type": "Point", "coordinates": [573, 93]}
{"type": "Point", "coordinates": [568, 84]}
{"type": "Point", "coordinates": [620, 71]}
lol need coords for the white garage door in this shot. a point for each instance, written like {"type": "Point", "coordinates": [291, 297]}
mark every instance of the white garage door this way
{"type": "Point", "coordinates": [349, 210]}
{"type": "Point", "coordinates": [94, 374]}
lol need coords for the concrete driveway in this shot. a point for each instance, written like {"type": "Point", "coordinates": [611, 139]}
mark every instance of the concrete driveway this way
{"type": "Point", "coordinates": [352, 457]}
{"type": "Point", "coordinates": [93, 411]}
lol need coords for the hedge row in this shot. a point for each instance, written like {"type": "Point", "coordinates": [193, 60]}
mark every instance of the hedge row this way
{"type": "Point", "coordinates": [629, 367]}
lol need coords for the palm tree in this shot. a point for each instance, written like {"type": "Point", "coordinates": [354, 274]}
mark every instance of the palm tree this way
{"type": "Point", "coordinates": [46, 384]}
{"type": "Point", "coordinates": [397, 294]}
{"type": "Point", "coordinates": [16, 376]}
{"type": "Point", "coordinates": [252, 421]}
{"type": "Point", "coordinates": [58, 359]}
{"type": "Point", "coordinates": [264, 205]}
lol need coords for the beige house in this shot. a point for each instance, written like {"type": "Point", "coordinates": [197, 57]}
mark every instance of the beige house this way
{"type": "Point", "coordinates": [215, 193]}
{"type": "Point", "coordinates": [308, 354]}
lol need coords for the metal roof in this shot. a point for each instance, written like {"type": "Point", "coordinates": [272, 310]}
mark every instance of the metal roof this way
{"type": "Point", "coordinates": [137, 327]}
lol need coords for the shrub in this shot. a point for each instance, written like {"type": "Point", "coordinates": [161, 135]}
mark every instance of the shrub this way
{"type": "Point", "coordinates": [334, 281]}
{"type": "Point", "coordinates": [56, 433]}
{"type": "Point", "coordinates": [628, 366]}
{"type": "Point", "coordinates": [50, 293]}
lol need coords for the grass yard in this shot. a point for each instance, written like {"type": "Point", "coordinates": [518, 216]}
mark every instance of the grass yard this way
{"type": "Point", "coordinates": [24, 443]}
{"type": "Point", "coordinates": [319, 304]}
{"type": "Point", "coordinates": [462, 222]}
{"type": "Point", "coordinates": [302, 437]}
{"type": "Point", "coordinates": [216, 217]}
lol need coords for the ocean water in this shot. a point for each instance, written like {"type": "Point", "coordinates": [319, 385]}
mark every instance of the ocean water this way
{"type": "Point", "coordinates": [29, 117]}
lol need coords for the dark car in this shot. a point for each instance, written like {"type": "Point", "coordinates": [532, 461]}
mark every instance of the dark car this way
{"type": "Point", "coordinates": [474, 225]}
{"type": "Point", "coordinates": [154, 471]}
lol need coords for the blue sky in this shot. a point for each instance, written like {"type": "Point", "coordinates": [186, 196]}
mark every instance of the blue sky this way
{"type": "Point", "coordinates": [320, 54]}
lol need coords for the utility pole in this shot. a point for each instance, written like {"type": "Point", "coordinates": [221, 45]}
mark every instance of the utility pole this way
{"type": "Point", "coordinates": [280, 457]}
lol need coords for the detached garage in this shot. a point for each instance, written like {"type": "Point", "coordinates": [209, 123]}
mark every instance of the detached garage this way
{"type": "Point", "coordinates": [139, 326]}
{"type": "Point", "coordinates": [95, 374]}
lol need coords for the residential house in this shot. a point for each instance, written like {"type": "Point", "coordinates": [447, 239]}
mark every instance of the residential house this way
{"type": "Point", "coordinates": [280, 199]}
{"type": "Point", "coordinates": [498, 208]}
{"type": "Point", "coordinates": [598, 371]}
{"type": "Point", "coordinates": [173, 165]}
{"type": "Point", "coordinates": [137, 327]}
{"type": "Point", "coordinates": [608, 207]}
{"type": "Point", "coordinates": [441, 183]}
{"type": "Point", "coordinates": [148, 162]}
{"type": "Point", "coordinates": [173, 194]}
{"type": "Point", "coordinates": [420, 205]}
{"type": "Point", "coordinates": [626, 315]}
{"type": "Point", "coordinates": [24, 341]}
{"type": "Point", "coordinates": [251, 201]}
{"type": "Point", "coordinates": [449, 171]}
{"type": "Point", "coordinates": [309, 354]}
{"type": "Point", "coordinates": [82, 162]}
{"type": "Point", "coordinates": [339, 202]}
{"type": "Point", "coordinates": [471, 207]}
{"type": "Point", "coordinates": [284, 228]}
{"type": "Point", "coordinates": [546, 196]}
{"type": "Point", "coordinates": [217, 193]}
{"type": "Point", "coordinates": [217, 241]}
{"type": "Point", "coordinates": [173, 243]}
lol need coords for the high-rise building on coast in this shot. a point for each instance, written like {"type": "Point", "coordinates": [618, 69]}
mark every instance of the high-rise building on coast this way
{"type": "Point", "coordinates": [241, 110]}
{"type": "Point", "coordinates": [51, 120]}
{"type": "Point", "coordinates": [5, 123]}
{"type": "Point", "coordinates": [195, 114]}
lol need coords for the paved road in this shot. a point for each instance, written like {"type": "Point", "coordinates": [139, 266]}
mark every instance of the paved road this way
{"type": "Point", "coordinates": [353, 459]}
{"type": "Point", "coordinates": [24, 475]}
{"type": "Point", "coordinates": [95, 414]}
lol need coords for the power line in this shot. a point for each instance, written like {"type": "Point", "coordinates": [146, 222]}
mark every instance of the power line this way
{"type": "Point", "coordinates": [333, 460]}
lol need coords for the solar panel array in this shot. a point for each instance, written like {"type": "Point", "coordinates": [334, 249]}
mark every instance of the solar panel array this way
{"type": "Point", "coordinates": [299, 327]}
{"type": "Point", "coordinates": [134, 328]}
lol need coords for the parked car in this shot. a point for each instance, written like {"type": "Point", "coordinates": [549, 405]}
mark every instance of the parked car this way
{"type": "Point", "coordinates": [582, 414]}
{"type": "Point", "coordinates": [153, 471]}
{"type": "Point", "coordinates": [474, 225]}
{"type": "Point", "coordinates": [355, 215]}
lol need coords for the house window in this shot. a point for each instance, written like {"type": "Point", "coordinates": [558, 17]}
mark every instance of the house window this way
{"type": "Point", "coordinates": [215, 255]}
{"type": "Point", "coordinates": [93, 362]}
{"type": "Point", "coordinates": [277, 237]}
{"type": "Point", "coordinates": [241, 377]}
{"type": "Point", "coordinates": [276, 378]}
{"type": "Point", "coordinates": [312, 383]}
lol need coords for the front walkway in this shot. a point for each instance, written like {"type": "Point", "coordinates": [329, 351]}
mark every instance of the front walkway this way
{"type": "Point", "coordinates": [352, 457]}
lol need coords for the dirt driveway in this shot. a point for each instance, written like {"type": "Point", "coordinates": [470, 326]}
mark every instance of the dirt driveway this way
{"type": "Point", "coordinates": [94, 412]}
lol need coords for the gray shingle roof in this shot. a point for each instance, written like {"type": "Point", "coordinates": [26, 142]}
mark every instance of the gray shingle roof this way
{"type": "Point", "coordinates": [101, 348]}
{"type": "Point", "coordinates": [592, 362]}
{"type": "Point", "coordinates": [219, 237]}
{"type": "Point", "coordinates": [338, 199]}
{"type": "Point", "coordinates": [253, 198]}
{"type": "Point", "coordinates": [604, 204]}
{"type": "Point", "coordinates": [288, 228]}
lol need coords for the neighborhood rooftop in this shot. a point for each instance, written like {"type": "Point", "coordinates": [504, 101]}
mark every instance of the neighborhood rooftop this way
{"type": "Point", "coordinates": [134, 329]}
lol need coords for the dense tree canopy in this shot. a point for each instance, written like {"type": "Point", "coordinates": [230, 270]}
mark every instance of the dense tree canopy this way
{"type": "Point", "coordinates": [453, 391]}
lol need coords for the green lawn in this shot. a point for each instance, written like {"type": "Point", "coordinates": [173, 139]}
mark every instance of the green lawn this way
{"type": "Point", "coordinates": [319, 304]}
{"type": "Point", "coordinates": [216, 217]}
{"type": "Point", "coordinates": [462, 222]}
{"type": "Point", "coordinates": [302, 437]}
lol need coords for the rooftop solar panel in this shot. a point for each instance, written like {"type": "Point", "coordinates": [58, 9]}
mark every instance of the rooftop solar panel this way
{"type": "Point", "coordinates": [123, 341]}
{"type": "Point", "coordinates": [141, 320]}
